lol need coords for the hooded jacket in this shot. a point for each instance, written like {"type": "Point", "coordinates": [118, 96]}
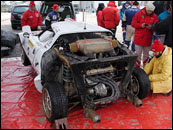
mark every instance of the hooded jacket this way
{"type": "Point", "coordinates": [160, 72]}
{"type": "Point", "coordinates": [110, 15]}
{"type": "Point", "coordinates": [143, 36]}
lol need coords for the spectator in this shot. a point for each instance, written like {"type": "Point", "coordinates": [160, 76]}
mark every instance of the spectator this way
{"type": "Point", "coordinates": [53, 16]}
{"type": "Point", "coordinates": [100, 15]}
{"type": "Point", "coordinates": [165, 27]}
{"type": "Point", "coordinates": [111, 17]}
{"type": "Point", "coordinates": [159, 69]}
{"type": "Point", "coordinates": [32, 17]}
{"type": "Point", "coordinates": [126, 23]}
{"type": "Point", "coordinates": [125, 6]}
{"type": "Point", "coordinates": [160, 6]}
{"type": "Point", "coordinates": [142, 22]}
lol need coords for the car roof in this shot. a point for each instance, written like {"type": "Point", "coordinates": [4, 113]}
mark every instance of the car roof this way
{"type": "Point", "coordinates": [68, 27]}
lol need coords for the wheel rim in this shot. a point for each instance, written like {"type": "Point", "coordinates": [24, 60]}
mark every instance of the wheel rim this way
{"type": "Point", "coordinates": [47, 106]}
{"type": "Point", "coordinates": [134, 86]}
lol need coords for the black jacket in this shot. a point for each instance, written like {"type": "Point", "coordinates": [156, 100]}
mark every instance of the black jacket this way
{"type": "Point", "coordinates": [165, 27]}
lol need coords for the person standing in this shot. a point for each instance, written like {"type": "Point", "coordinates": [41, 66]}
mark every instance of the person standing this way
{"type": "Point", "coordinates": [111, 17]}
{"type": "Point", "coordinates": [165, 27]}
{"type": "Point", "coordinates": [159, 69]}
{"type": "Point", "coordinates": [32, 17]}
{"type": "Point", "coordinates": [100, 15]}
{"type": "Point", "coordinates": [126, 23]}
{"type": "Point", "coordinates": [53, 16]}
{"type": "Point", "coordinates": [125, 6]}
{"type": "Point", "coordinates": [142, 22]}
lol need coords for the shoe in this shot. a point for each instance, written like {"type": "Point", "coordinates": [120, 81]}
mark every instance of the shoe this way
{"type": "Point", "coordinates": [167, 94]}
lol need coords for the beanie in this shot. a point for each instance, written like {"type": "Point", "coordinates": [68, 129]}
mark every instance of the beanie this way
{"type": "Point", "coordinates": [157, 46]}
{"type": "Point", "coordinates": [32, 3]}
{"type": "Point", "coordinates": [55, 6]}
{"type": "Point", "coordinates": [150, 6]}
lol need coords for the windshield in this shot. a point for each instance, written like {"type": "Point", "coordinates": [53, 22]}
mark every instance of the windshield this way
{"type": "Point", "coordinates": [20, 9]}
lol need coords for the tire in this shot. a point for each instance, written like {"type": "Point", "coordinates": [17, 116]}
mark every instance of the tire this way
{"type": "Point", "coordinates": [24, 59]}
{"type": "Point", "coordinates": [54, 101]}
{"type": "Point", "coordinates": [142, 82]}
{"type": "Point", "coordinates": [14, 26]}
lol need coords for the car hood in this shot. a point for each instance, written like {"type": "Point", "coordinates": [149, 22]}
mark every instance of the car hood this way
{"type": "Point", "coordinates": [68, 27]}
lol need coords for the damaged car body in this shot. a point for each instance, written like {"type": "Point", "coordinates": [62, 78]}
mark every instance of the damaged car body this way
{"type": "Point", "coordinates": [81, 63]}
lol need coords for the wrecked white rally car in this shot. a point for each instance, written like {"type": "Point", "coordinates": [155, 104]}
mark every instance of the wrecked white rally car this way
{"type": "Point", "coordinates": [78, 62]}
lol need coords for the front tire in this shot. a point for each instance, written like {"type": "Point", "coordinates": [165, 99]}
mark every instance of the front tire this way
{"type": "Point", "coordinates": [54, 101]}
{"type": "Point", "coordinates": [140, 84]}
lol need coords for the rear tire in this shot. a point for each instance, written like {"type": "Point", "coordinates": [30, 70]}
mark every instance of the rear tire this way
{"type": "Point", "coordinates": [141, 83]}
{"type": "Point", "coordinates": [24, 58]}
{"type": "Point", "coordinates": [54, 101]}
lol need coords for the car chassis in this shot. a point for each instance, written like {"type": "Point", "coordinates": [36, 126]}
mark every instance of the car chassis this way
{"type": "Point", "coordinates": [91, 76]}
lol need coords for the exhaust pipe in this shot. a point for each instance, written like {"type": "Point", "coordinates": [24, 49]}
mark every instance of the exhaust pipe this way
{"type": "Point", "coordinates": [134, 100]}
{"type": "Point", "coordinates": [90, 113]}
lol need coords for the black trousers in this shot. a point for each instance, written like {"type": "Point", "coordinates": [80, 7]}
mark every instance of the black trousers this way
{"type": "Point", "coordinates": [113, 30]}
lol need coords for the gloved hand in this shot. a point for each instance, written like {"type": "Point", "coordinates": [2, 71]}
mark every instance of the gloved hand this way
{"type": "Point", "coordinates": [39, 28]}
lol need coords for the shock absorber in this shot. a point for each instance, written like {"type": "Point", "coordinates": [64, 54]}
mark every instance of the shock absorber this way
{"type": "Point", "coordinates": [68, 84]}
{"type": "Point", "coordinates": [66, 74]}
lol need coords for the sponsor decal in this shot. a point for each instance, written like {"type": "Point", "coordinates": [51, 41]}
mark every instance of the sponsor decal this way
{"type": "Point", "coordinates": [54, 17]}
{"type": "Point", "coordinates": [30, 44]}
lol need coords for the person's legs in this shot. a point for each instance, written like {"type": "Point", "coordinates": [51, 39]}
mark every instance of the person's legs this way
{"type": "Point", "coordinates": [139, 53]}
{"type": "Point", "coordinates": [124, 37]}
{"type": "Point", "coordinates": [128, 36]}
{"type": "Point", "coordinates": [146, 55]}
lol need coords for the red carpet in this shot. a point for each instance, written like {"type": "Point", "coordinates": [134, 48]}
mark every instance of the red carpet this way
{"type": "Point", "coordinates": [21, 106]}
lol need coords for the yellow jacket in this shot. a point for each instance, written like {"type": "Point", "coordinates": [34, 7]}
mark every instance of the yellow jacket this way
{"type": "Point", "coordinates": [160, 72]}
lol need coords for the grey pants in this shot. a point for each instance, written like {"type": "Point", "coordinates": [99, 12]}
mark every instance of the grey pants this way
{"type": "Point", "coordinates": [140, 50]}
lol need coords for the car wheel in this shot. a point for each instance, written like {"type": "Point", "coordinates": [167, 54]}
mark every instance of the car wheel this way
{"type": "Point", "coordinates": [24, 59]}
{"type": "Point", "coordinates": [54, 101]}
{"type": "Point", "coordinates": [139, 84]}
{"type": "Point", "coordinates": [14, 26]}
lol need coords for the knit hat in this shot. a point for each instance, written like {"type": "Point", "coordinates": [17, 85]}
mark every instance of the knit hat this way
{"type": "Point", "coordinates": [32, 3]}
{"type": "Point", "coordinates": [150, 6]}
{"type": "Point", "coordinates": [157, 46]}
{"type": "Point", "coordinates": [55, 6]}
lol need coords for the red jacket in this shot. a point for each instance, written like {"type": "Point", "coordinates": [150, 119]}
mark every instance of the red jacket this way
{"type": "Point", "coordinates": [100, 19]}
{"type": "Point", "coordinates": [111, 16]}
{"type": "Point", "coordinates": [143, 36]}
{"type": "Point", "coordinates": [33, 19]}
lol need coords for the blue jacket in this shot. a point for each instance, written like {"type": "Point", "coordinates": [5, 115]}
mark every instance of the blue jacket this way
{"type": "Point", "coordinates": [122, 10]}
{"type": "Point", "coordinates": [163, 15]}
{"type": "Point", "coordinates": [52, 17]}
{"type": "Point", "coordinates": [129, 13]}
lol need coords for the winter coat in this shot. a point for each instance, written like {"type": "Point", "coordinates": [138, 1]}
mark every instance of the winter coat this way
{"type": "Point", "coordinates": [122, 10]}
{"type": "Point", "coordinates": [110, 16]}
{"type": "Point", "coordinates": [143, 36]}
{"type": "Point", "coordinates": [51, 18]}
{"type": "Point", "coordinates": [165, 27]}
{"type": "Point", "coordinates": [100, 19]}
{"type": "Point", "coordinates": [33, 19]}
{"type": "Point", "coordinates": [163, 15]}
{"type": "Point", "coordinates": [129, 13]}
{"type": "Point", "coordinates": [160, 72]}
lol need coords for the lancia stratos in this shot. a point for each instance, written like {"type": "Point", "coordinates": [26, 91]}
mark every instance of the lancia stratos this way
{"type": "Point", "coordinates": [79, 63]}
